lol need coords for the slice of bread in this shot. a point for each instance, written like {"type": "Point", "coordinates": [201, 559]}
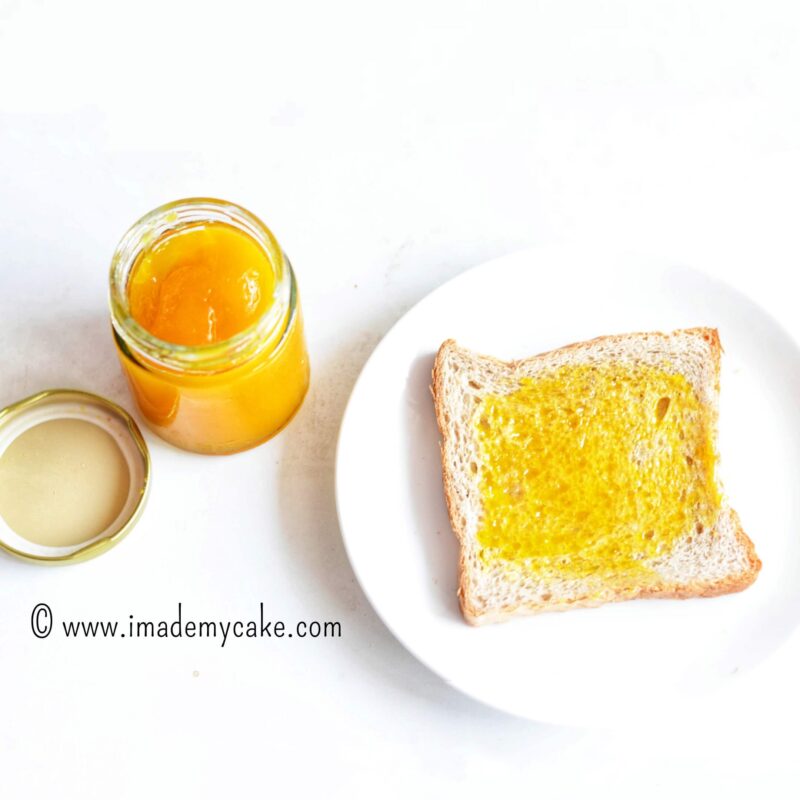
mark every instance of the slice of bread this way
{"type": "Point", "coordinates": [711, 556]}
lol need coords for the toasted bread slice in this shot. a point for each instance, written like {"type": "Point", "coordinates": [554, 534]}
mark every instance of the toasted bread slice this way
{"type": "Point", "coordinates": [516, 575]}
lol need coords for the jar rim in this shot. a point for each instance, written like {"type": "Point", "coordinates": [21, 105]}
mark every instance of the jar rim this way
{"type": "Point", "coordinates": [172, 217]}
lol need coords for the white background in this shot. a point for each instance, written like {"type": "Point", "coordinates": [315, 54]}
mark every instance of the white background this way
{"type": "Point", "coordinates": [389, 147]}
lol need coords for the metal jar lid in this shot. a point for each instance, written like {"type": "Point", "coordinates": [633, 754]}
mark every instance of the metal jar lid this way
{"type": "Point", "coordinates": [56, 404]}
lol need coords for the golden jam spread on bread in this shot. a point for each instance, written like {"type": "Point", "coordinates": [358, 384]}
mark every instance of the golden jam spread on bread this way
{"type": "Point", "coordinates": [594, 469]}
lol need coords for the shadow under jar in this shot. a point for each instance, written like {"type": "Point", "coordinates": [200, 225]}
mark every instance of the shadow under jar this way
{"type": "Point", "coordinates": [216, 396]}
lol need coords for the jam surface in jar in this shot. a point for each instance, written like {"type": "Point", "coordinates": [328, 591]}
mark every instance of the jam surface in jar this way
{"type": "Point", "coordinates": [201, 284]}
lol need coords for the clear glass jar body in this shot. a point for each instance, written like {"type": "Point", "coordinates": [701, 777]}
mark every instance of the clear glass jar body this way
{"type": "Point", "coordinates": [222, 397]}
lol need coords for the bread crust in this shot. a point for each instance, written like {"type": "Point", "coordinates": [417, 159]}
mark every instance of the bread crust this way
{"type": "Point", "coordinates": [477, 615]}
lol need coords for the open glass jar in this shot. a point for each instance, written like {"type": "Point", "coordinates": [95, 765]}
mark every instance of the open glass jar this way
{"type": "Point", "coordinates": [222, 396]}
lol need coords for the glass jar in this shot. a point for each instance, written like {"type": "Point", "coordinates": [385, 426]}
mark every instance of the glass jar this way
{"type": "Point", "coordinates": [220, 397]}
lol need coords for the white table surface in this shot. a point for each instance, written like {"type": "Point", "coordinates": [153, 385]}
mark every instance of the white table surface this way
{"type": "Point", "coordinates": [390, 147]}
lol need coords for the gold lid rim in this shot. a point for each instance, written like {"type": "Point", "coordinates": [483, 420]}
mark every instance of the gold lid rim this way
{"type": "Point", "coordinates": [96, 548]}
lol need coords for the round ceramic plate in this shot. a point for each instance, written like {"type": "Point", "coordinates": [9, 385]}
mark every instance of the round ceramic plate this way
{"type": "Point", "coordinates": [609, 665]}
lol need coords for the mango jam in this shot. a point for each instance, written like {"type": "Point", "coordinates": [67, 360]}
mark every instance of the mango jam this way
{"type": "Point", "coordinates": [208, 326]}
{"type": "Point", "coordinates": [202, 284]}
{"type": "Point", "coordinates": [594, 470]}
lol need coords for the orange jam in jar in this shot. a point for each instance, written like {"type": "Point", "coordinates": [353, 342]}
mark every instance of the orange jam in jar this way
{"type": "Point", "coordinates": [208, 327]}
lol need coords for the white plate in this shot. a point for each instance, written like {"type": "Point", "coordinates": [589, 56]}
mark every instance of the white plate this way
{"type": "Point", "coordinates": [604, 666]}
